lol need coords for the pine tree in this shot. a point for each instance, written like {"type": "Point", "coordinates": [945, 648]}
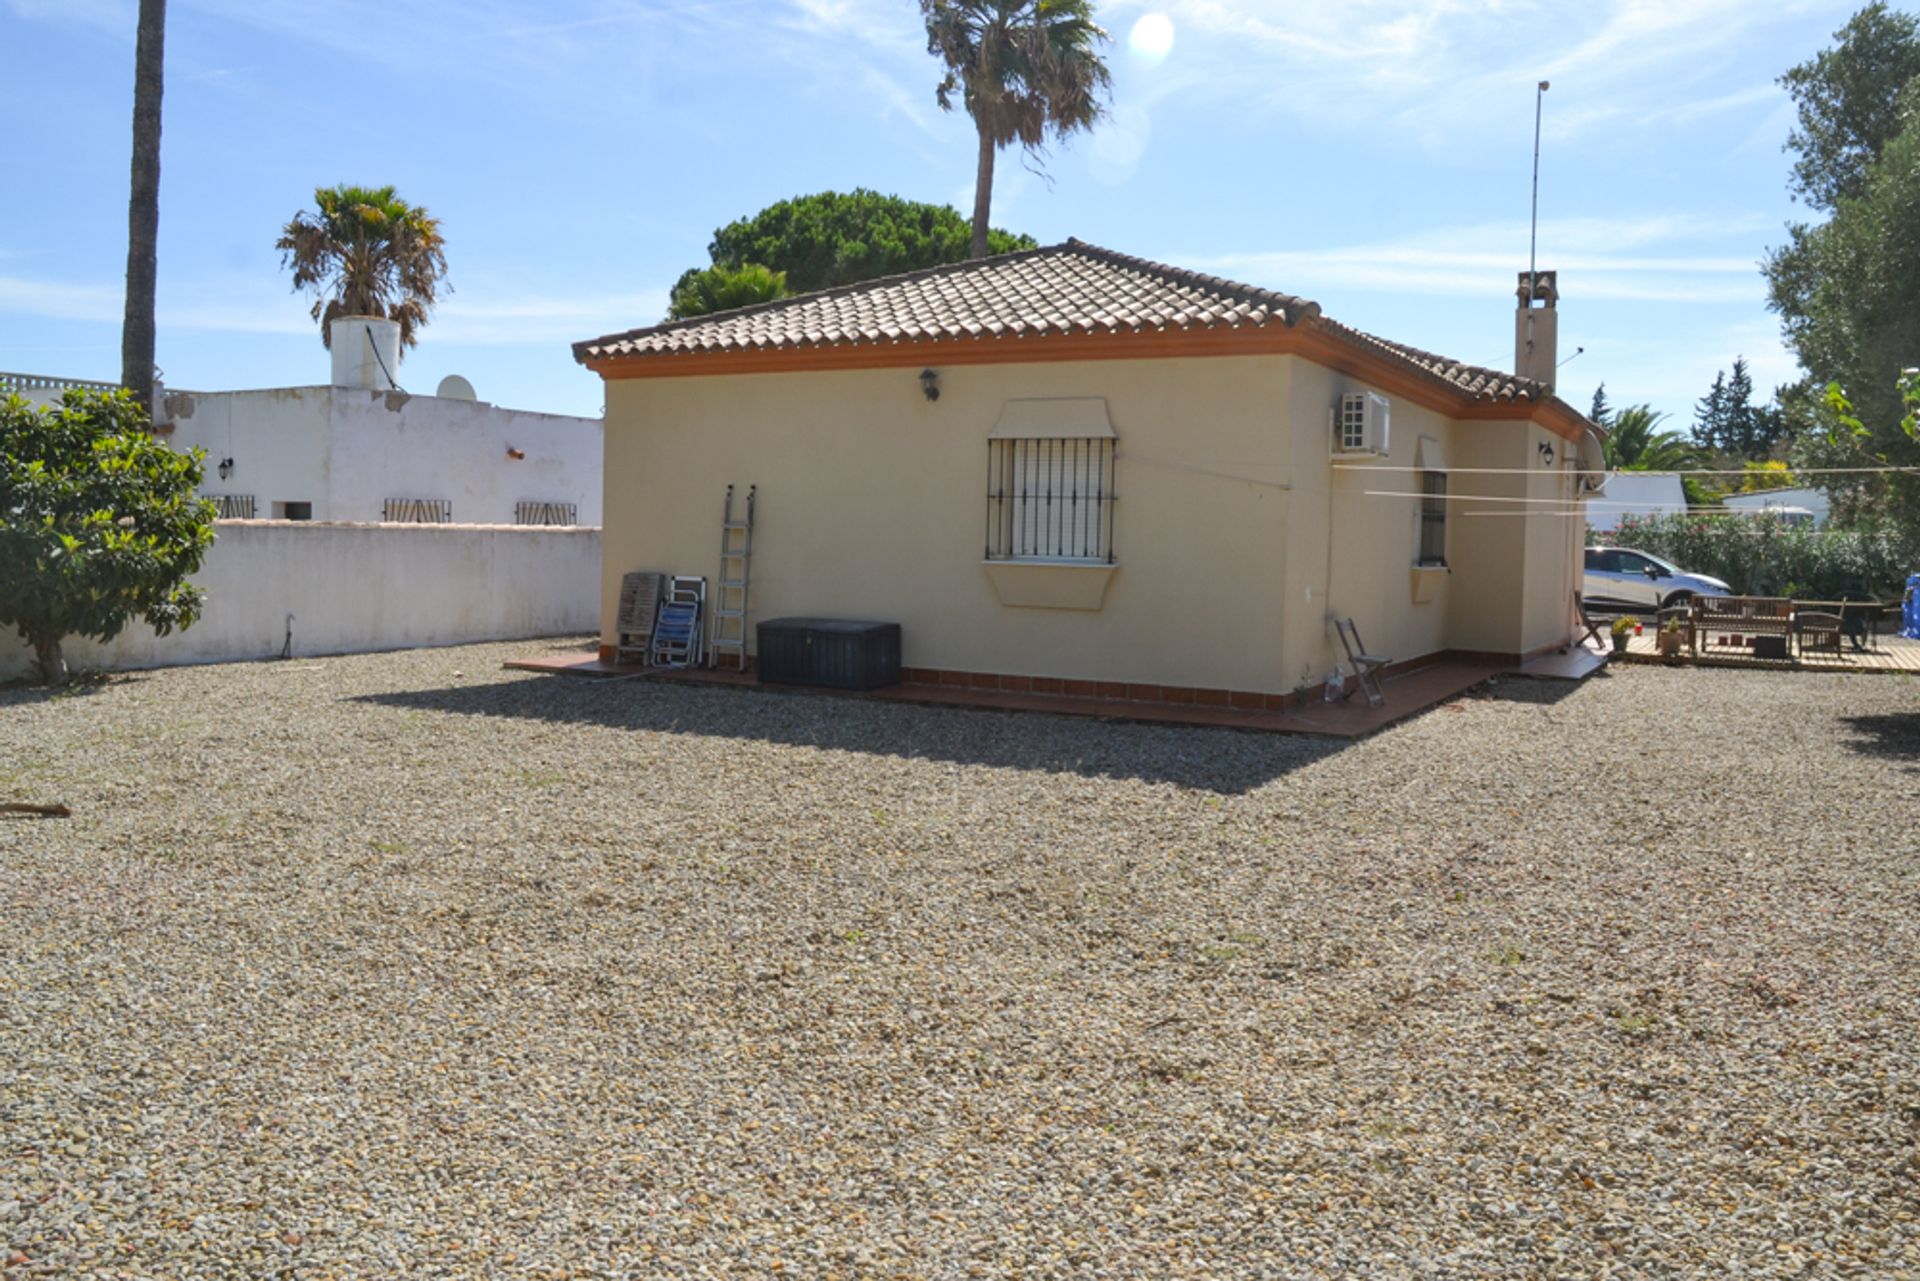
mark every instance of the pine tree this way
{"type": "Point", "coordinates": [1601, 414]}
{"type": "Point", "coordinates": [1710, 415]}
{"type": "Point", "coordinates": [1739, 428]}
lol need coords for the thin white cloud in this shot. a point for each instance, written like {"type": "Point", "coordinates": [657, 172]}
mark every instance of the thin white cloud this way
{"type": "Point", "coordinates": [1599, 258]}
{"type": "Point", "coordinates": [1440, 70]}
{"type": "Point", "coordinates": [56, 300]}
{"type": "Point", "coordinates": [118, 17]}
{"type": "Point", "coordinates": [480, 317]}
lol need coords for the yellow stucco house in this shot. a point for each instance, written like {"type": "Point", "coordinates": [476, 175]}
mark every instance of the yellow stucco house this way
{"type": "Point", "coordinates": [1070, 465]}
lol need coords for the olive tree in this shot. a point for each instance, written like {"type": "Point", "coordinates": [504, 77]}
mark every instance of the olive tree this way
{"type": "Point", "coordinates": [99, 523]}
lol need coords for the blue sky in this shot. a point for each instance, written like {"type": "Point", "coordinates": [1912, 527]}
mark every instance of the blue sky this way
{"type": "Point", "coordinates": [1373, 155]}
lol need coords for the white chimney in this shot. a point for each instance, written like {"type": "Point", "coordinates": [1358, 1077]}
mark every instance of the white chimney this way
{"type": "Point", "coordinates": [1536, 327]}
{"type": "Point", "coordinates": [366, 352]}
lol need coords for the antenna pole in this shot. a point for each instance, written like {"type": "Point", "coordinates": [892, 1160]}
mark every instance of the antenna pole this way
{"type": "Point", "coordinates": [1533, 240]}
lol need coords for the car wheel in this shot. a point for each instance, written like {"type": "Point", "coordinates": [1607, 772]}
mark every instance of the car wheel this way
{"type": "Point", "coordinates": [1677, 600]}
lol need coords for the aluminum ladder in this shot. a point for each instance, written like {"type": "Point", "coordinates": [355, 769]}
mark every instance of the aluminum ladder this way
{"type": "Point", "coordinates": [730, 607]}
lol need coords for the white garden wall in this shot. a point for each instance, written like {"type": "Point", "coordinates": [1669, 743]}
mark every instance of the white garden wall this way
{"type": "Point", "coordinates": [353, 588]}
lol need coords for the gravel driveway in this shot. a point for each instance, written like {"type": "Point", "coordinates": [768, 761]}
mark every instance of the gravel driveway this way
{"type": "Point", "coordinates": [402, 965]}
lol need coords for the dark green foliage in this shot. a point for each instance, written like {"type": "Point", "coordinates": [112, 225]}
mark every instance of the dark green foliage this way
{"type": "Point", "coordinates": [1761, 555]}
{"type": "Point", "coordinates": [701, 293]}
{"type": "Point", "coordinates": [1635, 443]}
{"type": "Point", "coordinates": [99, 523]}
{"type": "Point", "coordinates": [1601, 415]}
{"type": "Point", "coordinates": [1710, 415]}
{"type": "Point", "coordinates": [1847, 98]}
{"type": "Point", "coordinates": [1848, 290]}
{"type": "Point", "coordinates": [1727, 420]}
{"type": "Point", "coordinates": [830, 239]}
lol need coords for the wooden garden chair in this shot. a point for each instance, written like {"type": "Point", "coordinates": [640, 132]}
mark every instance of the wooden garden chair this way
{"type": "Point", "coordinates": [1818, 631]}
{"type": "Point", "coordinates": [1366, 667]}
{"type": "Point", "coordinates": [1586, 621]}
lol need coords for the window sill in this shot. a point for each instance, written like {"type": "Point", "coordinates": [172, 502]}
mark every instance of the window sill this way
{"type": "Point", "coordinates": [1050, 584]}
{"type": "Point", "coordinates": [1427, 581]}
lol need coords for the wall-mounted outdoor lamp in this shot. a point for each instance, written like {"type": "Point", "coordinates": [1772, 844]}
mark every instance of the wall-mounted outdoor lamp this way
{"type": "Point", "coordinates": [226, 468]}
{"type": "Point", "coordinates": [516, 454]}
{"type": "Point", "coordinates": [930, 384]}
{"type": "Point", "coordinates": [1546, 452]}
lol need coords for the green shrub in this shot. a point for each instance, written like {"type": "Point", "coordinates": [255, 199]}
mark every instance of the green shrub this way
{"type": "Point", "coordinates": [1762, 555]}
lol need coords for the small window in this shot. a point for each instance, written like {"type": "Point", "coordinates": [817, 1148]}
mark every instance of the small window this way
{"type": "Point", "coordinates": [293, 511]}
{"type": "Point", "coordinates": [1050, 499]}
{"type": "Point", "coordinates": [1433, 519]}
{"type": "Point", "coordinates": [232, 506]}
{"type": "Point", "coordinates": [546, 514]}
{"type": "Point", "coordinates": [418, 511]}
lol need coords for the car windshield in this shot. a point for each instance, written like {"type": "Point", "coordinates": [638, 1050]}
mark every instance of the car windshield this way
{"type": "Point", "coordinates": [1667, 565]}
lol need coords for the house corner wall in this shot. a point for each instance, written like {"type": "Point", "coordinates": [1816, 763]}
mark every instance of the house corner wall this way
{"type": "Point", "coordinates": [1353, 534]}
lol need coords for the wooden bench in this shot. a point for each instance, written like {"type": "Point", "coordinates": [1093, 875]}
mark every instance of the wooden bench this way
{"type": "Point", "coordinates": [1741, 616]}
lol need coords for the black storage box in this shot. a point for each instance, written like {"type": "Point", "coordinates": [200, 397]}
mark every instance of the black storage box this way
{"type": "Point", "coordinates": [1770, 647]}
{"type": "Point", "coordinates": [831, 653]}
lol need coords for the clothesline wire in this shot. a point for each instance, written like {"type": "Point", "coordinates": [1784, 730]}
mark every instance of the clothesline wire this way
{"type": "Point", "coordinates": [1703, 471]}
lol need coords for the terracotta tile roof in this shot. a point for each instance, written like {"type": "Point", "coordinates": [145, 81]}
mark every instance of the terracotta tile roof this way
{"type": "Point", "coordinates": [1074, 288]}
{"type": "Point", "coordinates": [1070, 288]}
{"type": "Point", "coordinates": [1476, 381]}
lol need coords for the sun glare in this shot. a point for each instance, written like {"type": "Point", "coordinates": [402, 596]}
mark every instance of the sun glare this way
{"type": "Point", "coordinates": [1151, 39]}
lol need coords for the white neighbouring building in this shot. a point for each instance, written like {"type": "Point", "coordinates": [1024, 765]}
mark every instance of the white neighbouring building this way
{"type": "Point", "coordinates": [363, 450]}
{"type": "Point", "coordinates": [1808, 500]}
{"type": "Point", "coordinates": [1635, 494]}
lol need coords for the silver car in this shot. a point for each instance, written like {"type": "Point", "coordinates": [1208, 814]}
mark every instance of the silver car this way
{"type": "Point", "coordinates": [1621, 578]}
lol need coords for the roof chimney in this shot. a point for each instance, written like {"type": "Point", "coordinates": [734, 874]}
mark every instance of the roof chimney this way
{"type": "Point", "coordinates": [366, 352]}
{"type": "Point", "coordinates": [1536, 327]}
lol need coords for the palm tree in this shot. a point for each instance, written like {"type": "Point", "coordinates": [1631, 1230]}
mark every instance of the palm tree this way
{"type": "Point", "coordinates": [1633, 443]}
{"type": "Point", "coordinates": [701, 293]}
{"type": "Point", "coordinates": [143, 205]}
{"type": "Point", "coordinates": [363, 251]}
{"type": "Point", "coordinates": [1023, 69]}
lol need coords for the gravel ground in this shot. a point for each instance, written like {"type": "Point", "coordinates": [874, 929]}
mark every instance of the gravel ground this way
{"type": "Point", "coordinates": [403, 965]}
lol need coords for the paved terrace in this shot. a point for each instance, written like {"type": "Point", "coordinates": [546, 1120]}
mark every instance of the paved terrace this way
{"type": "Point", "coordinates": [402, 965]}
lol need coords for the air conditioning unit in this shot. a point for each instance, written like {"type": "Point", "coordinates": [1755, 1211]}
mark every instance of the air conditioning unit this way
{"type": "Point", "coordinates": [1362, 422]}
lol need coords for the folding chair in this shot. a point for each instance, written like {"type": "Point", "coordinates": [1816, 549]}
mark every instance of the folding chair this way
{"type": "Point", "coordinates": [1586, 622]}
{"type": "Point", "coordinates": [1366, 667]}
{"type": "Point", "coordinates": [678, 630]}
{"type": "Point", "coordinates": [640, 594]}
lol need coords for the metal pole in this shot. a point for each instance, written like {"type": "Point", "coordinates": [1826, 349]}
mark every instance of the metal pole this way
{"type": "Point", "coordinates": [1533, 242]}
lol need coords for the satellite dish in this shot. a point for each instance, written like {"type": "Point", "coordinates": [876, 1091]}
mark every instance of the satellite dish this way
{"type": "Point", "coordinates": [454, 387]}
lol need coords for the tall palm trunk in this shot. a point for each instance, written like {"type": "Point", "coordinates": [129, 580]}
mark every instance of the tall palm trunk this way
{"type": "Point", "coordinates": [143, 206]}
{"type": "Point", "coordinates": [983, 194]}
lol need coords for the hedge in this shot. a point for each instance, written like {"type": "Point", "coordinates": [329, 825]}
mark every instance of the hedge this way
{"type": "Point", "coordinates": [1762, 555]}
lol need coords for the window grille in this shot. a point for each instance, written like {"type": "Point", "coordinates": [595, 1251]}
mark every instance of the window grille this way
{"type": "Point", "coordinates": [418, 511]}
{"type": "Point", "coordinates": [1050, 499]}
{"type": "Point", "coordinates": [232, 506]}
{"type": "Point", "coordinates": [1433, 518]}
{"type": "Point", "coordinates": [529, 513]}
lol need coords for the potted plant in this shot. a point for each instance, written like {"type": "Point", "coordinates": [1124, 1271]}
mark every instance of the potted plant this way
{"type": "Point", "coordinates": [1668, 639]}
{"type": "Point", "coordinates": [1623, 632]}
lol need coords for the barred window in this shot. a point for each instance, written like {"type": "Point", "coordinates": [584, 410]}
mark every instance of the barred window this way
{"type": "Point", "coordinates": [532, 513]}
{"type": "Point", "coordinates": [232, 506]}
{"type": "Point", "coordinates": [1050, 499]}
{"type": "Point", "coordinates": [418, 511]}
{"type": "Point", "coordinates": [1433, 519]}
